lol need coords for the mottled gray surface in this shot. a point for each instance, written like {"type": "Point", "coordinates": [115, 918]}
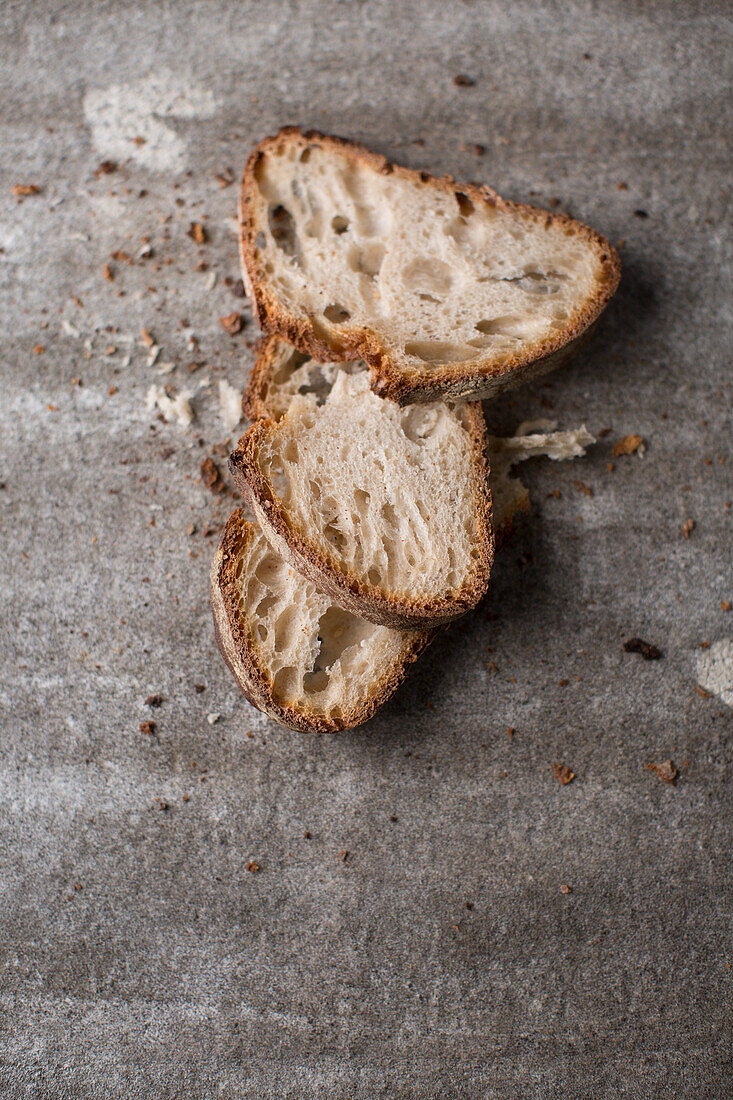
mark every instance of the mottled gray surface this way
{"type": "Point", "coordinates": [138, 957]}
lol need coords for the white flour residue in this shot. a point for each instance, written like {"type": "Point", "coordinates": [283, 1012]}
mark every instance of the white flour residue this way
{"type": "Point", "coordinates": [126, 119]}
{"type": "Point", "coordinates": [715, 670]}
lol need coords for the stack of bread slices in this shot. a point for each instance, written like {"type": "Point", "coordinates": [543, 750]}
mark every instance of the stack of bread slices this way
{"type": "Point", "coordinates": [393, 302]}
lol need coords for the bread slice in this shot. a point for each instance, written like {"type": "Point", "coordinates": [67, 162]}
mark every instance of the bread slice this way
{"type": "Point", "coordinates": [295, 654]}
{"type": "Point", "coordinates": [280, 372]}
{"type": "Point", "coordinates": [444, 289]}
{"type": "Point", "coordinates": [386, 509]}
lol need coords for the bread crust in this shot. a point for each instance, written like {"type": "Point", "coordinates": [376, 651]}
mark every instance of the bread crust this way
{"type": "Point", "coordinates": [389, 377]}
{"type": "Point", "coordinates": [354, 593]}
{"type": "Point", "coordinates": [239, 650]}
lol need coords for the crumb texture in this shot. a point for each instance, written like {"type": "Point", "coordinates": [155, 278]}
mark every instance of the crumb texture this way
{"type": "Point", "coordinates": [313, 656]}
{"type": "Point", "coordinates": [442, 278]}
{"type": "Point", "coordinates": [386, 493]}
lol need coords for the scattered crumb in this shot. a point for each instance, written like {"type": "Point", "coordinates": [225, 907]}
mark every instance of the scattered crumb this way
{"type": "Point", "coordinates": [199, 688]}
{"type": "Point", "coordinates": [627, 446]}
{"type": "Point", "coordinates": [105, 167]}
{"type": "Point", "coordinates": [469, 905]}
{"type": "Point", "coordinates": [703, 693]}
{"type": "Point", "coordinates": [306, 835]}
{"type": "Point", "coordinates": [582, 487]}
{"type": "Point", "coordinates": [647, 651]}
{"type": "Point", "coordinates": [121, 255]}
{"type": "Point", "coordinates": [565, 889]}
{"type": "Point", "coordinates": [640, 214]}
{"type": "Point", "coordinates": [253, 867]}
{"type": "Point", "coordinates": [197, 233]}
{"type": "Point", "coordinates": [688, 527]}
{"type": "Point", "coordinates": [343, 855]}
{"type": "Point", "coordinates": [477, 149]}
{"type": "Point", "coordinates": [154, 701]}
{"type": "Point", "coordinates": [665, 770]}
{"type": "Point", "coordinates": [463, 81]}
{"type": "Point", "coordinates": [622, 186]}
{"type": "Point", "coordinates": [108, 273]}
{"type": "Point", "coordinates": [233, 323]}
{"type": "Point", "coordinates": [225, 178]}
{"type": "Point", "coordinates": [172, 408]}
{"type": "Point", "coordinates": [230, 405]}
{"type": "Point", "coordinates": [212, 719]}
{"type": "Point", "coordinates": [38, 349]}
{"type": "Point", "coordinates": [725, 605]}
{"type": "Point", "coordinates": [510, 731]}
{"type": "Point", "coordinates": [148, 727]}
{"type": "Point", "coordinates": [211, 476]}
{"type": "Point", "coordinates": [562, 774]}
{"type": "Point", "coordinates": [23, 190]}
{"type": "Point", "coordinates": [112, 391]}
{"type": "Point", "coordinates": [139, 141]}
{"type": "Point", "coordinates": [147, 338]}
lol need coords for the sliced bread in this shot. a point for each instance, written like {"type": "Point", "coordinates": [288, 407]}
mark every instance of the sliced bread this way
{"type": "Point", "coordinates": [444, 289]}
{"type": "Point", "coordinates": [295, 654]}
{"type": "Point", "coordinates": [280, 372]}
{"type": "Point", "coordinates": [386, 509]}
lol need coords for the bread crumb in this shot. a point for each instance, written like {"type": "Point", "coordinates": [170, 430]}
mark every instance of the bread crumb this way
{"type": "Point", "coordinates": [253, 867]}
{"type": "Point", "coordinates": [23, 190]}
{"type": "Point", "coordinates": [647, 651]}
{"type": "Point", "coordinates": [154, 701]}
{"type": "Point", "coordinates": [627, 446]}
{"type": "Point", "coordinates": [212, 719]}
{"type": "Point", "coordinates": [148, 728]}
{"type": "Point", "coordinates": [582, 487]}
{"type": "Point", "coordinates": [664, 770]}
{"type": "Point", "coordinates": [563, 774]}
{"type": "Point", "coordinates": [565, 889]}
{"type": "Point", "coordinates": [343, 855]}
{"type": "Point", "coordinates": [230, 405]}
{"type": "Point", "coordinates": [108, 273]}
{"type": "Point", "coordinates": [172, 408]}
{"type": "Point", "coordinates": [197, 233]}
{"type": "Point", "coordinates": [725, 605]}
{"type": "Point", "coordinates": [463, 81]}
{"type": "Point", "coordinates": [211, 476]}
{"type": "Point", "coordinates": [147, 338]}
{"type": "Point", "coordinates": [688, 527]}
{"type": "Point", "coordinates": [233, 323]}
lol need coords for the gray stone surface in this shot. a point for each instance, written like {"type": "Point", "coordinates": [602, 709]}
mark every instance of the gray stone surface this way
{"type": "Point", "coordinates": [138, 956]}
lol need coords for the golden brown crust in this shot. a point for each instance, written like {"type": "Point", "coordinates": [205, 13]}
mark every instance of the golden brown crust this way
{"type": "Point", "coordinates": [353, 593]}
{"type": "Point", "coordinates": [238, 648]}
{"type": "Point", "coordinates": [389, 377]}
{"type": "Point", "coordinates": [271, 355]}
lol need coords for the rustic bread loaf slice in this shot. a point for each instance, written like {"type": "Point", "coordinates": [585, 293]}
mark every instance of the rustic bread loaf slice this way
{"type": "Point", "coordinates": [280, 372]}
{"type": "Point", "coordinates": [444, 289]}
{"type": "Point", "coordinates": [295, 654]}
{"type": "Point", "coordinates": [386, 509]}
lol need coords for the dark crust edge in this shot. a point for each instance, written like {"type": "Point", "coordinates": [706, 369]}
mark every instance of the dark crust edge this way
{"type": "Point", "coordinates": [236, 645]}
{"type": "Point", "coordinates": [389, 377]}
{"type": "Point", "coordinates": [349, 592]}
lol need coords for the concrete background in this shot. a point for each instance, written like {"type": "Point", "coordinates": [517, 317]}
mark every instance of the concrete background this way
{"type": "Point", "coordinates": [138, 956]}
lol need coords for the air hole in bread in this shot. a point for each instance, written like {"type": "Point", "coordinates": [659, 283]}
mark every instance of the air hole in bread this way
{"type": "Point", "coordinates": [437, 351]}
{"type": "Point", "coordinates": [390, 515]}
{"type": "Point", "coordinates": [334, 536]}
{"type": "Point", "coordinates": [427, 276]}
{"type": "Point", "coordinates": [465, 205]}
{"type": "Point", "coordinates": [366, 260]}
{"type": "Point", "coordinates": [504, 326]}
{"type": "Point", "coordinates": [305, 155]}
{"type": "Point", "coordinates": [375, 576]}
{"type": "Point", "coordinates": [361, 499]}
{"type": "Point", "coordinates": [282, 228]}
{"type": "Point", "coordinates": [419, 422]}
{"type": "Point", "coordinates": [339, 224]}
{"type": "Point", "coordinates": [285, 624]}
{"type": "Point", "coordinates": [285, 685]}
{"type": "Point", "coordinates": [336, 314]}
{"type": "Point", "coordinates": [261, 631]}
{"type": "Point", "coordinates": [291, 451]}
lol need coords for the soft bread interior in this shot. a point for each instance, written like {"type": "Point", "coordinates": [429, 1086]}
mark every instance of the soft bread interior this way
{"type": "Point", "coordinates": [388, 493]}
{"type": "Point", "coordinates": [441, 277]}
{"type": "Point", "coordinates": [313, 656]}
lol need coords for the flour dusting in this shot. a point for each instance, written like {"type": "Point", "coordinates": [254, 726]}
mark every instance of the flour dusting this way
{"type": "Point", "coordinates": [126, 119]}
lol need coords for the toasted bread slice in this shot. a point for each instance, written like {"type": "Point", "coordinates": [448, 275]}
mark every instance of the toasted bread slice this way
{"type": "Point", "coordinates": [444, 289]}
{"type": "Point", "coordinates": [386, 509]}
{"type": "Point", "coordinates": [296, 655]}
